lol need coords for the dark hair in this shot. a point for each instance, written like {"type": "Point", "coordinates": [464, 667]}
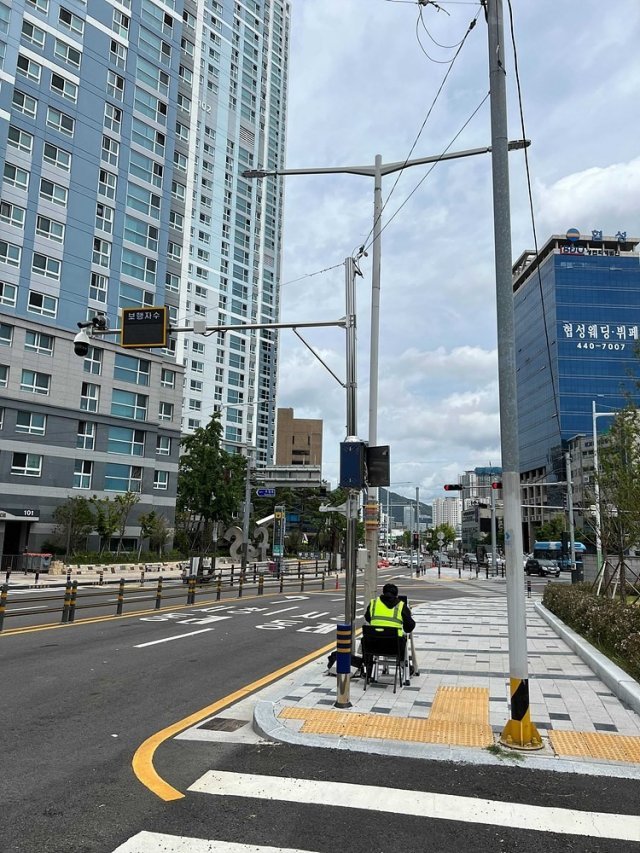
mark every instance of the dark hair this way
{"type": "Point", "coordinates": [390, 589]}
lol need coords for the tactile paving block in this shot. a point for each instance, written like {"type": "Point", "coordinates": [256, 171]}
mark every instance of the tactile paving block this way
{"type": "Point", "coordinates": [461, 705]}
{"type": "Point", "coordinates": [610, 747]}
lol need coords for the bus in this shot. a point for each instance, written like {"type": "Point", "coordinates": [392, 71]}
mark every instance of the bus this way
{"type": "Point", "coordinates": [553, 551]}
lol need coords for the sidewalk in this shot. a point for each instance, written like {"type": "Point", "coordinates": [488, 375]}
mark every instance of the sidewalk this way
{"type": "Point", "coordinates": [456, 708]}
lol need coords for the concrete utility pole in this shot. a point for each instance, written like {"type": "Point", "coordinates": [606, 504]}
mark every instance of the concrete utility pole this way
{"type": "Point", "coordinates": [519, 730]}
{"type": "Point", "coordinates": [572, 533]}
{"type": "Point", "coordinates": [246, 514]}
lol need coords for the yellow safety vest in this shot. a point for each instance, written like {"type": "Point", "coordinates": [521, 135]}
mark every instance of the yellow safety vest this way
{"type": "Point", "coordinates": [386, 617]}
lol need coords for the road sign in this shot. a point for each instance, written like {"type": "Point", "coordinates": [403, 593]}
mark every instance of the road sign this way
{"type": "Point", "coordinates": [266, 493]}
{"type": "Point", "coordinates": [144, 327]}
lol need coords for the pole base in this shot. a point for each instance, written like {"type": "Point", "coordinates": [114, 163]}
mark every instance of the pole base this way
{"type": "Point", "coordinates": [518, 734]}
{"type": "Point", "coordinates": [342, 705]}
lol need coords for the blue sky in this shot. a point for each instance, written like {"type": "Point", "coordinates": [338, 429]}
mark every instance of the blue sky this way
{"type": "Point", "coordinates": [363, 76]}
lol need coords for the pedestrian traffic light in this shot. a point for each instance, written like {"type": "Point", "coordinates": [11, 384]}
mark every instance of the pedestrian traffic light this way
{"type": "Point", "coordinates": [452, 487]}
{"type": "Point", "coordinates": [416, 540]}
{"type": "Point", "coordinates": [496, 485]}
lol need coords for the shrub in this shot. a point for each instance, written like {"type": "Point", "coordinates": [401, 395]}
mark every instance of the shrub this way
{"type": "Point", "coordinates": [608, 623]}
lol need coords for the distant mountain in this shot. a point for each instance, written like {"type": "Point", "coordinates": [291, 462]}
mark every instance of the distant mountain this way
{"type": "Point", "coordinates": [397, 503]}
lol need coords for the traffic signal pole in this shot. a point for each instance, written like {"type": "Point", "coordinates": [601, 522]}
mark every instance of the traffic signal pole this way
{"type": "Point", "coordinates": [519, 731]}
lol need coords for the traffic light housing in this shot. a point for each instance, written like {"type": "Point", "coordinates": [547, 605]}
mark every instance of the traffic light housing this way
{"type": "Point", "coordinates": [453, 487]}
{"type": "Point", "coordinates": [416, 540]}
{"type": "Point", "coordinates": [496, 485]}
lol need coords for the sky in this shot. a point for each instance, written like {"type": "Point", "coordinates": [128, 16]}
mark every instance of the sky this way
{"type": "Point", "coordinates": [363, 79]}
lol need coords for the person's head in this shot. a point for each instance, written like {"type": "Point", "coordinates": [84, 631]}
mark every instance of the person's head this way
{"type": "Point", "coordinates": [390, 589]}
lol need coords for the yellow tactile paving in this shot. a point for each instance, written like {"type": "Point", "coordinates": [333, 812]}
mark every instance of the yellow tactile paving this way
{"type": "Point", "coordinates": [461, 719]}
{"type": "Point", "coordinates": [461, 705]}
{"type": "Point", "coordinates": [610, 747]}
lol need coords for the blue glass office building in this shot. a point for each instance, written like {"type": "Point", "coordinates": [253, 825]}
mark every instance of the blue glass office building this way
{"type": "Point", "coordinates": [577, 324]}
{"type": "Point", "coordinates": [124, 127]}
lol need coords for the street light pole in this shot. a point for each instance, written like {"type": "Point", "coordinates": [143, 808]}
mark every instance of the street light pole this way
{"type": "Point", "coordinates": [596, 485]}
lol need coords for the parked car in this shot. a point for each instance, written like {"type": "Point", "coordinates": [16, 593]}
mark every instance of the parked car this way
{"type": "Point", "coordinates": [537, 566]}
{"type": "Point", "coordinates": [469, 559]}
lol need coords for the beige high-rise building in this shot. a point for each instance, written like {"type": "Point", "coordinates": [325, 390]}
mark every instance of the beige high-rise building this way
{"type": "Point", "coordinates": [298, 440]}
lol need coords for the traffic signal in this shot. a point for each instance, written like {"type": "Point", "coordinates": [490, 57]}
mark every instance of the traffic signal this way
{"type": "Point", "coordinates": [453, 487]}
{"type": "Point", "coordinates": [496, 485]}
{"type": "Point", "coordinates": [416, 540]}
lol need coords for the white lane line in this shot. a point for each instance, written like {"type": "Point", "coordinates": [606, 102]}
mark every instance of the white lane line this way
{"type": "Point", "coordinates": [175, 637]}
{"type": "Point", "coordinates": [282, 610]}
{"type": "Point", "coordinates": [421, 804]}
{"type": "Point", "coordinates": [16, 609]}
{"type": "Point", "coordinates": [157, 842]}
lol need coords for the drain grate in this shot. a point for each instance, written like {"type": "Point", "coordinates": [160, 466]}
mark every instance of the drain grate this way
{"type": "Point", "coordinates": [223, 724]}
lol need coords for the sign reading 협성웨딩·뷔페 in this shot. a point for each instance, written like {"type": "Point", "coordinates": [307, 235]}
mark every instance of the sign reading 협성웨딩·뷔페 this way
{"type": "Point", "coordinates": [609, 337]}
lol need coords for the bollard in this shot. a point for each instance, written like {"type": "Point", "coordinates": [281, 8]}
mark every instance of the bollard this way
{"type": "Point", "coordinates": [4, 589]}
{"type": "Point", "coordinates": [477, 570]}
{"type": "Point", "coordinates": [159, 593]}
{"type": "Point", "coordinates": [254, 572]}
{"type": "Point", "coordinates": [142, 578]}
{"type": "Point", "coordinates": [101, 577]}
{"type": "Point", "coordinates": [281, 581]}
{"type": "Point", "coordinates": [343, 666]}
{"type": "Point", "coordinates": [261, 585]}
{"type": "Point", "coordinates": [337, 581]}
{"type": "Point", "coordinates": [487, 571]}
{"type": "Point", "coordinates": [7, 576]}
{"type": "Point", "coordinates": [529, 588]}
{"type": "Point", "coordinates": [231, 576]}
{"type": "Point", "coordinates": [72, 601]}
{"type": "Point", "coordinates": [69, 576]}
{"type": "Point", "coordinates": [120, 597]}
{"type": "Point", "coordinates": [67, 601]}
{"type": "Point", "coordinates": [191, 590]}
{"type": "Point", "coordinates": [302, 582]}
{"type": "Point", "coordinates": [298, 568]}
{"type": "Point", "coordinates": [37, 578]}
{"type": "Point", "coordinates": [219, 587]}
{"type": "Point", "coordinates": [240, 584]}
{"type": "Point", "coordinates": [438, 569]}
{"type": "Point", "coordinates": [459, 571]}
{"type": "Point", "coordinates": [323, 575]}
{"type": "Point", "coordinates": [316, 574]}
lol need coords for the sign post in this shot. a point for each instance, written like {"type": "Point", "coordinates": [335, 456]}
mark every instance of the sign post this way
{"type": "Point", "coordinates": [279, 523]}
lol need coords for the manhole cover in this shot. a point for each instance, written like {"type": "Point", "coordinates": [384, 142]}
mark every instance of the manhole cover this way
{"type": "Point", "coordinates": [223, 724]}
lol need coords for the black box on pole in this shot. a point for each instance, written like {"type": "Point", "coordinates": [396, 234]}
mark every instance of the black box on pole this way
{"type": "Point", "coordinates": [352, 464]}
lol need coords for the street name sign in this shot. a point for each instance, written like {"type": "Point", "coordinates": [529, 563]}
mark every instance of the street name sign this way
{"type": "Point", "coordinates": [266, 493]}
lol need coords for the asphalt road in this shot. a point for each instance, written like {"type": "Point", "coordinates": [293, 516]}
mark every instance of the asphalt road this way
{"type": "Point", "coordinates": [78, 701]}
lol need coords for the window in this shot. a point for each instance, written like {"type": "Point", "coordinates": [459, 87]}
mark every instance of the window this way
{"type": "Point", "coordinates": [10, 254]}
{"type": "Point", "coordinates": [39, 5]}
{"type": "Point", "coordinates": [98, 287]}
{"type": "Point", "coordinates": [86, 437]}
{"type": "Point", "coordinates": [38, 342]}
{"type": "Point", "coordinates": [57, 156]}
{"type": "Point", "coordinates": [145, 168]}
{"type": "Point", "coordinates": [128, 404]}
{"type": "Point", "coordinates": [151, 75]}
{"type": "Point", "coordinates": [5, 17]}
{"type": "Point", "coordinates": [150, 106]}
{"type": "Point", "coordinates": [196, 385]}
{"type": "Point", "coordinates": [104, 217]}
{"type": "Point", "coordinates": [148, 137]}
{"type": "Point", "coordinates": [15, 177]}
{"type": "Point", "coordinates": [107, 184]}
{"type": "Point", "coordinates": [143, 200]}
{"type": "Point", "coordinates": [138, 266]}
{"type": "Point", "coordinates": [60, 121]}
{"type": "Point", "coordinates": [185, 74]}
{"type": "Point", "coordinates": [161, 480]}
{"type": "Point", "coordinates": [182, 131]}
{"type": "Point", "coordinates": [46, 266]}
{"type": "Point", "coordinates": [163, 445]}
{"type": "Point", "coordinates": [4, 375]}
{"type": "Point", "coordinates": [197, 366]}
{"type": "Point", "coordinates": [172, 283]}
{"type": "Point", "coordinates": [11, 214]}
{"type": "Point", "coordinates": [28, 68]}
{"type": "Point", "coordinates": [6, 335]}
{"type": "Point", "coordinates": [70, 21]}
{"type": "Point", "coordinates": [195, 405]}
{"type": "Point", "coordinates": [8, 296]}
{"type": "Point", "coordinates": [154, 46]}
{"type": "Point", "coordinates": [198, 347]}
{"type": "Point", "coordinates": [93, 361]}
{"type": "Point", "coordinates": [34, 382]}
{"type": "Point", "coordinates": [26, 464]}
{"type": "Point", "coordinates": [55, 193]}
{"type": "Point", "coordinates": [179, 161]}
{"type": "Point", "coordinates": [50, 228]}
{"type": "Point", "coordinates": [176, 220]}
{"type": "Point", "coordinates": [101, 252]}
{"type": "Point", "coordinates": [63, 87]}
{"type": "Point", "coordinates": [121, 24]}
{"type": "Point", "coordinates": [118, 54]}
{"type": "Point", "coordinates": [112, 117]}
{"type": "Point", "coordinates": [24, 103]}
{"type": "Point", "coordinates": [32, 34]}
{"type": "Point", "coordinates": [136, 231]}
{"type": "Point", "coordinates": [174, 251]}
{"type": "Point", "coordinates": [122, 478]}
{"type": "Point", "coordinates": [127, 441]}
{"type": "Point", "coordinates": [165, 411]}
{"type": "Point", "coordinates": [115, 86]}
{"type": "Point", "coordinates": [178, 191]}
{"type": "Point", "coordinates": [20, 139]}
{"type": "Point", "coordinates": [31, 423]}
{"type": "Point", "coordinates": [132, 369]}
{"type": "Point", "coordinates": [89, 397]}
{"type": "Point", "coordinates": [110, 150]}
{"type": "Point", "coordinates": [167, 378]}
{"type": "Point", "coordinates": [82, 471]}
{"type": "Point", "coordinates": [70, 55]}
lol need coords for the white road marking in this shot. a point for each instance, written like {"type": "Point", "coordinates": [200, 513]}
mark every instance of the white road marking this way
{"type": "Point", "coordinates": [282, 610]}
{"type": "Point", "coordinates": [169, 639]}
{"type": "Point", "coordinates": [17, 609]}
{"type": "Point", "coordinates": [421, 804]}
{"type": "Point", "coordinates": [156, 842]}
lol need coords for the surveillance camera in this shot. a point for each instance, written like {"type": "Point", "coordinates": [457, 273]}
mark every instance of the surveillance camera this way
{"type": "Point", "coordinates": [81, 343]}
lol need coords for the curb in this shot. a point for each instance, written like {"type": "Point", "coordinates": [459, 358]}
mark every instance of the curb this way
{"type": "Point", "coordinates": [617, 680]}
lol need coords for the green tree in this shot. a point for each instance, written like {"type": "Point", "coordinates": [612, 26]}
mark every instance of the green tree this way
{"type": "Point", "coordinates": [552, 530]}
{"type": "Point", "coordinates": [153, 527]}
{"type": "Point", "coordinates": [210, 485]}
{"type": "Point", "coordinates": [74, 521]}
{"type": "Point", "coordinates": [618, 478]}
{"type": "Point", "coordinates": [107, 519]}
{"type": "Point", "coordinates": [124, 504]}
{"type": "Point", "coordinates": [449, 537]}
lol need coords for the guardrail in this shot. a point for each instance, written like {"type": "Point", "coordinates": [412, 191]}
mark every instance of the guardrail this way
{"type": "Point", "coordinates": [294, 576]}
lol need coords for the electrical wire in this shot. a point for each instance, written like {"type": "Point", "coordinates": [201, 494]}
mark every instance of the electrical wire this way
{"type": "Point", "coordinates": [312, 274]}
{"type": "Point", "coordinates": [533, 218]}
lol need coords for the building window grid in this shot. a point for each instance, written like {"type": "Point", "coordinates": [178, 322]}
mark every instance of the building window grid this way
{"type": "Point", "coordinates": [89, 397]}
{"type": "Point", "coordinates": [35, 382]}
{"type": "Point", "coordinates": [39, 342]}
{"type": "Point", "coordinates": [26, 464]}
{"type": "Point", "coordinates": [86, 436]}
{"type": "Point", "coordinates": [82, 474]}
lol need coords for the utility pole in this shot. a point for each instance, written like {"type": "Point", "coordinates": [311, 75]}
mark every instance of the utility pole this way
{"type": "Point", "coordinates": [572, 532]}
{"type": "Point", "coordinates": [519, 730]}
{"type": "Point", "coordinates": [246, 514]}
{"type": "Point", "coordinates": [493, 531]}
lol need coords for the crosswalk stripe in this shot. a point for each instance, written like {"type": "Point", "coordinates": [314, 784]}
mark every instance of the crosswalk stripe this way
{"type": "Point", "coordinates": [157, 842]}
{"type": "Point", "coordinates": [421, 804]}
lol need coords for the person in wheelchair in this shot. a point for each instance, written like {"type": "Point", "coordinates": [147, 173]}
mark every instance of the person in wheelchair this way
{"type": "Point", "coordinates": [388, 610]}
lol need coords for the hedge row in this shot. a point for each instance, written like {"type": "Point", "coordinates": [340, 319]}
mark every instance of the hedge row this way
{"type": "Point", "coordinates": [607, 623]}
